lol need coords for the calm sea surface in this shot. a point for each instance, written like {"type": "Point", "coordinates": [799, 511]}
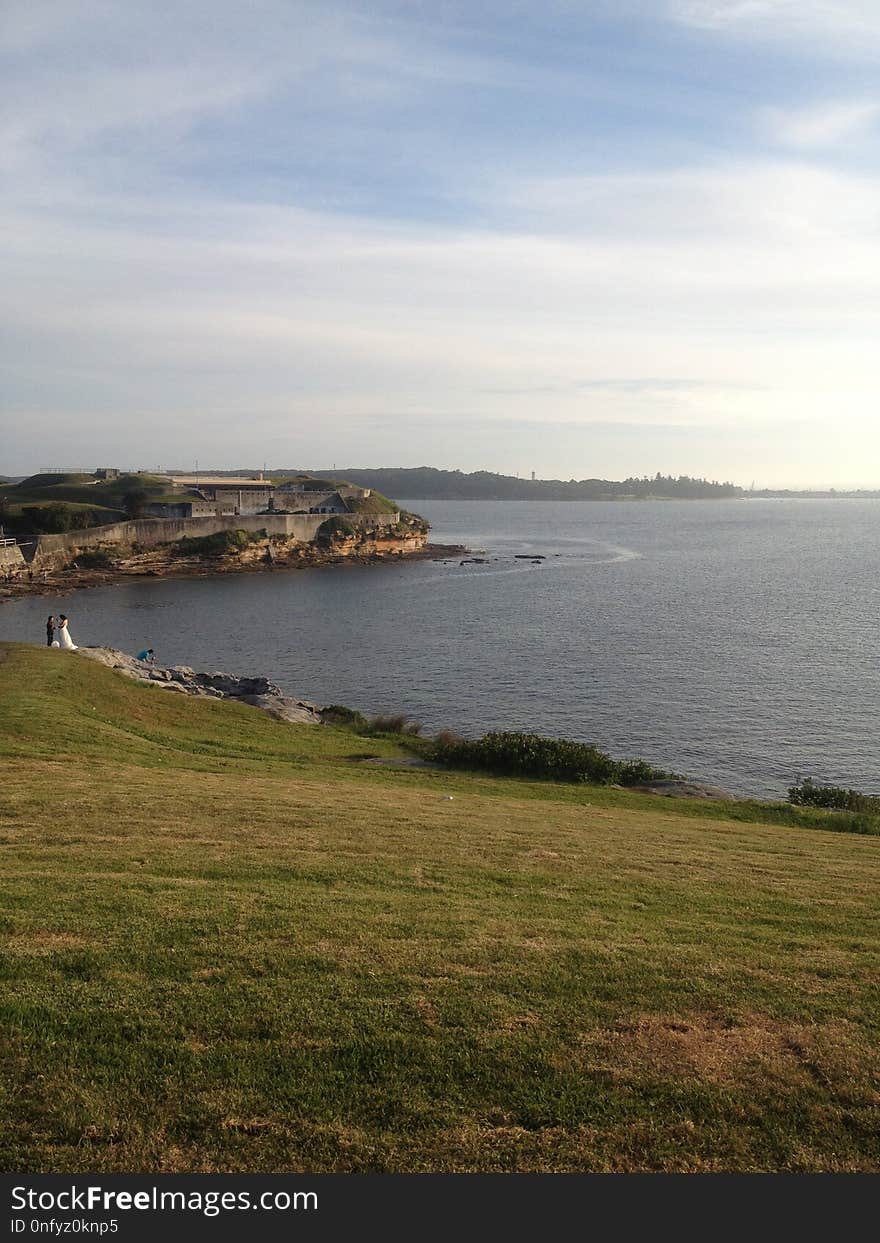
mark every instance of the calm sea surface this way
{"type": "Point", "coordinates": [736, 642]}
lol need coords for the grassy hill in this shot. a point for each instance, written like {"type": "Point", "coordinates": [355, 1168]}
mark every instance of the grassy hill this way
{"type": "Point", "coordinates": [375, 503]}
{"type": "Point", "coordinates": [86, 490]}
{"type": "Point", "coordinates": [52, 502]}
{"type": "Point", "coordinates": [229, 944]}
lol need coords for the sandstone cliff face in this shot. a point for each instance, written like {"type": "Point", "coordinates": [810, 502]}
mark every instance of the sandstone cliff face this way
{"type": "Point", "coordinates": [378, 546]}
{"type": "Point", "coordinates": [268, 553]}
{"type": "Point", "coordinates": [112, 563]}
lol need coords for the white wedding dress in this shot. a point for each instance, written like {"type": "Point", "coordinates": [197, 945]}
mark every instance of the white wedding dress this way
{"type": "Point", "coordinates": [65, 640]}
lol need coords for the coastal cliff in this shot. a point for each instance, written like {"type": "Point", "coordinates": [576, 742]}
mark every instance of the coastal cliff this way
{"type": "Point", "coordinates": [237, 550]}
{"type": "Point", "coordinates": [229, 551]}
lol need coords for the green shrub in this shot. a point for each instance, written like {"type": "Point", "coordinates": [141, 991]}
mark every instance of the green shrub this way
{"type": "Point", "coordinates": [95, 559]}
{"type": "Point", "coordinates": [393, 723]}
{"type": "Point", "coordinates": [531, 755]}
{"type": "Point", "coordinates": [134, 502]}
{"type": "Point", "coordinates": [335, 528]}
{"type": "Point", "coordinates": [338, 714]}
{"type": "Point", "coordinates": [390, 723]}
{"type": "Point", "coordinates": [447, 738]}
{"type": "Point", "coordinates": [835, 798]}
{"type": "Point", "coordinates": [57, 518]}
{"type": "Point", "coordinates": [220, 544]}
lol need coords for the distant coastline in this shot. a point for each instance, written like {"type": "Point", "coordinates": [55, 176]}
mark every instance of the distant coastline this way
{"type": "Point", "coordinates": [426, 483]}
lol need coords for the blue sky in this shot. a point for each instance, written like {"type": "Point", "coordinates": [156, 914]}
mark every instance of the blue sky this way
{"type": "Point", "coordinates": [580, 238]}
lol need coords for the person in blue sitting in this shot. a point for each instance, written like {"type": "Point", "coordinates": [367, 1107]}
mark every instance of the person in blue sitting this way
{"type": "Point", "coordinates": [147, 655]}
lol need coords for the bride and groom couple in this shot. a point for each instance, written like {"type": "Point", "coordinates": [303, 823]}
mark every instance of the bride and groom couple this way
{"type": "Point", "coordinates": [58, 634]}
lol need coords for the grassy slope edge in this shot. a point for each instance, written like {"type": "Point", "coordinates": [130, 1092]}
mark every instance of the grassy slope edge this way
{"type": "Point", "coordinates": [227, 945]}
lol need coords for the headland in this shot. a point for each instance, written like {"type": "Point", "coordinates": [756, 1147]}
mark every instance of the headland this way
{"type": "Point", "coordinates": [65, 532]}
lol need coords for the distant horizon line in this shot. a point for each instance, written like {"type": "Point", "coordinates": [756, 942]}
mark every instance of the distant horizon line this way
{"type": "Point", "coordinates": [809, 489]}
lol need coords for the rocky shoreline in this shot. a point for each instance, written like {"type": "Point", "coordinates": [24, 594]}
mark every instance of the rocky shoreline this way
{"type": "Point", "coordinates": [180, 679]}
{"type": "Point", "coordinates": [61, 582]}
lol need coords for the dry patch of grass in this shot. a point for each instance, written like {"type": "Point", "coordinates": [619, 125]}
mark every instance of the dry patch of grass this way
{"type": "Point", "coordinates": [711, 1048]}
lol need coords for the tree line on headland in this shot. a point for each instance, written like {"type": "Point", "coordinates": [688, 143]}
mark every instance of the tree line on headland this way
{"type": "Point", "coordinates": [428, 483]}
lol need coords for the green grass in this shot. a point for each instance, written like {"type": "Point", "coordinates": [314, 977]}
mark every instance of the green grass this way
{"type": "Point", "coordinates": [230, 945]}
{"type": "Point", "coordinates": [311, 483]}
{"type": "Point", "coordinates": [83, 492]}
{"type": "Point", "coordinates": [55, 479]}
{"type": "Point", "coordinates": [105, 513]}
{"type": "Point", "coordinates": [375, 503]}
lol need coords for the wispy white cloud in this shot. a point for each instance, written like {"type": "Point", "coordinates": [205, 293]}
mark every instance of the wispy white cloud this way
{"type": "Point", "coordinates": [821, 125]}
{"type": "Point", "coordinates": [151, 276]}
{"type": "Point", "coordinates": [85, 105]}
{"type": "Point", "coordinates": [728, 207]}
{"type": "Point", "coordinates": [730, 14]}
{"type": "Point", "coordinates": [768, 285]}
{"type": "Point", "coordinates": [852, 26]}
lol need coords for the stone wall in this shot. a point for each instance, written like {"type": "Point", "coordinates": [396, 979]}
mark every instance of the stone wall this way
{"type": "Point", "coordinates": [10, 557]}
{"type": "Point", "coordinates": [245, 500]}
{"type": "Point", "coordinates": [296, 498]}
{"type": "Point", "coordinates": [152, 532]}
{"type": "Point", "coordinates": [183, 509]}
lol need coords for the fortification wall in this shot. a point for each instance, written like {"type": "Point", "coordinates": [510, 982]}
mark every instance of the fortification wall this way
{"type": "Point", "coordinates": [151, 532]}
{"type": "Point", "coordinates": [10, 557]}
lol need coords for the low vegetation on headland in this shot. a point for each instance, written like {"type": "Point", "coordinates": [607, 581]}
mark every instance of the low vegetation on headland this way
{"type": "Point", "coordinates": [555, 759]}
{"type": "Point", "coordinates": [233, 944]}
{"type": "Point", "coordinates": [54, 504]}
{"type": "Point", "coordinates": [806, 793]}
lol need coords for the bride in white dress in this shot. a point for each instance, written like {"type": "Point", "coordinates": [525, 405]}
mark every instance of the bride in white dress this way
{"type": "Point", "coordinates": [64, 638]}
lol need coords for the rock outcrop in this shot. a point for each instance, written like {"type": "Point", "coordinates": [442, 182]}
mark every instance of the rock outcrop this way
{"type": "Point", "coordinates": [256, 692]}
{"type": "Point", "coordinates": [680, 788]}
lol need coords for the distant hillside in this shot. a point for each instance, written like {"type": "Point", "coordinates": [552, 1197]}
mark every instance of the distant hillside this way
{"type": "Point", "coordinates": [427, 483]}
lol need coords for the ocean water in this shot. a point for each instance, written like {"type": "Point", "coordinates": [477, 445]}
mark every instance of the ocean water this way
{"type": "Point", "coordinates": [736, 642]}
